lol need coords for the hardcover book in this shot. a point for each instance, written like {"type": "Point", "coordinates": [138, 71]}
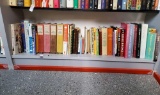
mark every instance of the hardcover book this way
{"type": "Point", "coordinates": [56, 3]}
{"type": "Point", "coordinates": [79, 4]}
{"type": "Point", "coordinates": [20, 2]}
{"type": "Point", "coordinates": [70, 4]}
{"type": "Point", "coordinates": [124, 2]}
{"type": "Point", "coordinates": [100, 41]}
{"type": "Point", "coordinates": [104, 41]}
{"type": "Point", "coordinates": [157, 45]}
{"type": "Point", "coordinates": [138, 47]}
{"type": "Point", "coordinates": [91, 4]}
{"type": "Point", "coordinates": [38, 3]}
{"type": "Point", "coordinates": [27, 3]}
{"type": "Point", "coordinates": [109, 41]}
{"type": "Point", "coordinates": [26, 31]}
{"type": "Point", "coordinates": [53, 42]}
{"type": "Point", "coordinates": [138, 4]}
{"type": "Point", "coordinates": [135, 40]}
{"type": "Point", "coordinates": [99, 4]}
{"type": "Point", "coordinates": [103, 4]}
{"type": "Point", "coordinates": [95, 4]}
{"type": "Point", "coordinates": [75, 4]}
{"type": "Point", "coordinates": [65, 39]}
{"type": "Point", "coordinates": [13, 2]}
{"type": "Point", "coordinates": [119, 5]}
{"type": "Point", "coordinates": [40, 31]}
{"type": "Point", "coordinates": [30, 39]}
{"type": "Point", "coordinates": [86, 4]}
{"type": "Point", "coordinates": [115, 4]}
{"type": "Point", "coordinates": [34, 31]}
{"type": "Point", "coordinates": [63, 3]}
{"type": "Point", "coordinates": [51, 3]}
{"type": "Point", "coordinates": [122, 42]}
{"type": "Point", "coordinates": [47, 33]}
{"type": "Point", "coordinates": [60, 38]}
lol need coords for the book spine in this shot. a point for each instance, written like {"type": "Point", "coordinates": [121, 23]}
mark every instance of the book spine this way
{"type": "Point", "coordinates": [65, 39]}
{"type": "Point", "coordinates": [103, 4]}
{"type": "Point", "coordinates": [109, 41]}
{"type": "Point", "coordinates": [131, 38]}
{"type": "Point", "coordinates": [20, 3]}
{"type": "Point", "coordinates": [129, 3]}
{"type": "Point", "coordinates": [34, 31]}
{"type": "Point", "coordinates": [60, 38]}
{"type": "Point", "coordinates": [88, 41]}
{"type": "Point", "coordinates": [86, 4]}
{"type": "Point", "coordinates": [23, 37]}
{"type": "Point", "coordinates": [153, 3]}
{"type": "Point", "coordinates": [53, 42]}
{"type": "Point", "coordinates": [99, 4]}
{"type": "Point", "coordinates": [47, 33]}
{"type": "Point", "coordinates": [13, 2]}
{"type": "Point", "coordinates": [138, 4]}
{"type": "Point", "coordinates": [119, 43]}
{"type": "Point", "coordinates": [40, 30]}
{"type": "Point", "coordinates": [111, 4]}
{"type": "Point", "coordinates": [124, 4]}
{"type": "Point", "coordinates": [157, 45]}
{"type": "Point", "coordinates": [13, 35]}
{"type": "Point", "coordinates": [143, 40]}
{"type": "Point", "coordinates": [148, 4]}
{"type": "Point", "coordinates": [135, 41]}
{"type": "Point", "coordinates": [27, 3]}
{"type": "Point", "coordinates": [100, 41]}
{"type": "Point", "coordinates": [30, 39]}
{"type": "Point", "coordinates": [114, 46]}
{"type": "Point", "coordinates": [83, 45]}
{"type": "Point", "coordinates": [75, 4]}
{"type": "Point", "coordinates": [133, 5]}
{"type": "Point", "coordinates": [51, 3]}
{"type": "Point", "coordinates": [138, 41]}
{"type": "Point", "coordinates": [26, 30]}
{"type": "Point", "coordinates": [83, 4]}
{"type": "Point", "coordinates": [119, 5]}
{"type": "Point", "coordinates": [97, 42]}
{"type": "Point", "coordinates": [122, 42]}
{"type": "Point", "coordinates": [57, 3]}
{"type": "Point", "coordinates": [91, 4]}
{"type": "Point", "coordinates": [77, 41]}
{"type": "Point", "coordinates": [38, 3]}
{"type": "Point", "coordinates": [47, 3]}
{"type": "Point", "coordinates": [79, 4]}
{"type": "Point", "coordinates": [92, 41]}
{"type": "Point", "coordinates": [104, 41]}
{"type": "Point", "coordinates": [156, 5]}
{"type": "Point", "coordinates": [143, 5]}
{"type": "Point", "coordinates": [150, 46]}
{"type": "Point", "coordinates": [107, 4]}
{"type": "Point", "coordinates": [63, 3]}
{"type": "Point", "coordinates": [115, 4]}
{"type": "Point", "coordinates": [95, 4]}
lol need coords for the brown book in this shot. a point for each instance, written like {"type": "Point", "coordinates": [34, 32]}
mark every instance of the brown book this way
{"type": "Point", "coordinates": [118, 42]}
{"type": "Point", "coordinates": [88, 42]}
{"type": "Point", "coordinates": [122, 43]}
{"type": "Point", "coordinates": [109, 41]}
{"type": "Point", "coordinates": [135, 40]}
{"type": "Point", "coordinates": [75, 42]}
{"type": "Point", "coordinates": [100, 41]}
{"type": "Point", "coordinates": [157, 45]}
{"type": "Point", "coordinates": [40, 30]}
{"type": "Point", "coordinates": [53, 40]}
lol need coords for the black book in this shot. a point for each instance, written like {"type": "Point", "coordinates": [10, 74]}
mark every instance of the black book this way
{"type": "Point", "coordinates": [148, 5]}
{"type": "Point", "coordinates": [95, 4]}
{"type": "Point", "coordinates": [110, 4]}
{"type": "Point", "coordinates": [143, 4]}
{"type": "Point", "coordinates": [91, 4]}
{"type": "Point", "coordinates": [119, 43]}
{"type": "Point", "coordinates": [138, 41]}
{"type": "Point", "coordinates": [152, 6]}
{"type": "Point", "coordinates": [20, 3]}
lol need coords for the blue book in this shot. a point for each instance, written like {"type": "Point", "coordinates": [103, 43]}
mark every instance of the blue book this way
{"type": "Point", "coordinates": [103, 4]}
{"type": "Point", "coordinates": [23, 37]}
{"type": "Point", "coordinates": [124, 2]}
{"type": "Point", "coordinates": [30, 45]}
{"type": "Point", "coordinates": [83, 4]}
{"type": "Point", "coordinates": [119, 5]}
{"type": "Point", "coordinates": [34, 29]}
{"type": "Point", "coordinates": [131, 40]}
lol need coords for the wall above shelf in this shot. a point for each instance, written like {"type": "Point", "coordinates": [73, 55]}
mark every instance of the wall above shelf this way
{"type": "Point", "coordinates": [88, 10]}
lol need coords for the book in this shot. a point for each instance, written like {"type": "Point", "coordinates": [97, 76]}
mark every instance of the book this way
{"type": "Point", "coordinates": [143, 4]}
{"type": "Point", "coordinates": [157, 45]}
{"type": "Point", "coordinates": [63, 3]}
{"type": "Point", "coordinates": [156, 5]}
{"type": "Point", "coordinates": [30, 39]}
{"type": "Point", "coordinates": [143, 40]}
{"type": "Point", "coordinates": [95, 4]}
{"type": "Point", "coordinates": [83, 4]}
{"type": "Point", "coordinates": [53, 41]}
{"type": "Point", "coordinates": [124, 2]}
{"type": "Point", "coordinates": [100, 41]}
{"type": "Point", "coordinates": [138, 46]}
{"type": "Point", "coordinates": [129, 4]}
{"type": "Point", "coordinates": [118, 49]}
{"type": "Point", "coordinates": [148, 4]}
{"type": "Point", "coordinates": [70, 4]}
{"type": "Point", "coordinates": [38, 3]}
{"type": "Point", "coordinates": [65, 39]}
{"type": "Point", "coordinates": [71, 29]}
{"type": "Point", "coordinates": [40, 39]}
{"type": "Point", "coordinates": [92, 40]}
{"type": "Point", "coordinates": [103, 4]}
{"type": "Point", "coordinates": [107, 4]}
{"type": "Point", "coordinates": [88, 41]}
{"type": "Point", "coordinates": [94, 43]}
{"type": "Point", "coordinates": [91, 4]}
{"type": "Point", "coordinates": [80, 44]}
{"type": "Point", "coordinates": [110, 4]}
{"type": "Point", "coordinates": [133, 4]}
{"type": "Point", "coordinates": [115, 4]}
{"type": "Point", "coordinates": [109, 41]}
{"type": "Point", "coordinates": [75, 4]}
{"type": "Point", "coordinates": [51, 3]}
{"type": "Point", "coordinates": [150, 46]}
{"type": "Point", "coordinates": [20, 2]}
{"type": "Point", "coordinates": [138, 5]}
{"type": "Point", "coordinates": [135, 40]}
{"type": "Point", "coordinates": [86, 4]}
{"type": "Point", "coordinates": [13, 2]}
{"type": "Point", "coordinates": [34, 31]}
{"type": "Point", "coordinates": [46, 4]}
{"type": "Point", "coordinates": [122, 42]}
{"type": "Point", "coordinates": [75, 41]}
{"type": "Point", "coordinates": [26, 31]}
{"type": "Point", "coordinates": [152, 5]}
{"type": "Point", "coordinates": [79, 4]}
{"type": "Point", "coordinates": [83, 45]}
{"type": "Point", "coordinates": [47, 33]}
{"type": "Point", "coordinates": [56, 4]}
{"type": "Point", "coordinates": [97, 42]}
{"type": "Point", "coordinates": [119, 5]}
{"type": "Point", "coordinates": [23, 36]}
{"type": "Point", "coordinates": [99, 4]}
{"type": "Point", "coordinates": [131, 40]}
{"type": "Point", "coordinates": [104, 41]}
{"type": "Point", "coordinates": [114, 40]}
{"type": "Point", "coordinates": [60, 38]}
{"type": "Point", "coordinates": [27, 3]}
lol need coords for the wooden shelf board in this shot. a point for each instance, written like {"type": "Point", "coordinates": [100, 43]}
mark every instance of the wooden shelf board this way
{"type": "Point", "coordinates": [87, 10]}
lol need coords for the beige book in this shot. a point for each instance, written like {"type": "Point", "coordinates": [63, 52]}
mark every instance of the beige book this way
{"type": "Point", "coordinates": [13, 2]}
{"type": "Point", "coordinates": [104, 41]}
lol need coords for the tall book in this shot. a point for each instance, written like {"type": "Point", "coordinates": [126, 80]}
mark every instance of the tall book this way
{"type": "Point", "coordinates": [86, 4]}
{"type": "Point", "coordinates": [107, 4]}
{"type": "Point", "coordinates": [71, 29]}
{"type": "Point", "coordinates": [143, 4]}
{"type": "Point", "coordinates": [91, 4]}
{"type": "Point", "coordinates": [104, 41]}
{"type": "Point", "coordinates": [27, 3]}
{"type": "Point", "coordinates": [92, 40]}
{"type": "Point", "coordinates": [94, 43]}
{"type": "Point", "coordinates": [75, 4]}
{"type": "Point", "coordinates": [97, 42]}
{"type": "Point", "coordinates": [103, 4]}
{"type": "Point", "coordinates": [133, 4]}
{"type": "Point", "coordinates": [40, 31]}
{"type": "Point", "coordinates": [30, 39]}
{"type": "Point", "coordinates": [138, 46]}
{"type": "Point", "coordinates": [109, 41]}
{"type": "Point", "coordinates": [119, 4]}
{"type": "Point", "coordinates": [70, 4]}
{"type": "Point", "coordinates": [114, 40]}
{"type": "Point", "coordinates": [53, 41]}
{"type": "Point", "coordinates": [65, 39]}
{"type": "Point", "coordinates": [111, 4]}
{"type": "Point", "coordinates": [156, 5]}
{"type": "Point", "coordinates": [135, 40]}
{"type": "Point", "coordinates": [157, 45]}
{"type": "Point", "coordinates": [83, 45]}
{"type": "Point", "coordinates": [34, 31]}
{"type": "Point", "coordinates": [13, 2]}
{"type": "Point", "coordinates": [26, 31]}
{"type": "Point", "coordinates": [138, 4]}
{"type": "Point", "coordinates": [88, 41]}
{"type": "Point", "coordinates": [85, 36]}
{"type": "Point", "coordinates": [129, 4]}
{"type": "Point", "coordinates": [38, 3]}
{"type": "Point", "coordinates": [20, 2]}
{"type": "Point", "coordinates": [100, 41]}
{"type": "Point", "coordinates": [63, 3]}
{"type": "Point", "coordinates": [143, 40]}
{"type": "Point", "coordinates": [124, 4]}
{"type": "Point", "coordinates": [95, 4]}
{"type": "Point", "coordinates": [122, 43]}
{"type": "Point", "coordinates": [75, 41]}
{"type": "Point", "coordinates": [47, 33]}
{"type": "Point", "coordinates": [83, 4]}
{"type": "Point", "coordinates": [60, 38]}
{"type": "Point", "coordinates": [99, 4]}
{"type": "Point", "coordinates": [115, 4]}
{"type": "Point", "coordinates": [56, 4]}
{"type": "Point", "coordinates": [118, 49]}
{"type": "Point", "coordinates": [79, 4]}
{"type": "Point", "coordinates": [51, 3]}
{"type": "Point", "coordinates": [80, 43]}
{"type": "Point", "coordinates": [153, 3]}
{"type": "Point", "coordinates": [23, 36]}
{"type": "Point", "coordinates": [149, 4]}
{"type": "Point", "coordinates": [150, 46]}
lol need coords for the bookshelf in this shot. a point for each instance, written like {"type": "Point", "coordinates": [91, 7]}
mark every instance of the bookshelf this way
{"type": "Point", "coordinates": [81, 18]}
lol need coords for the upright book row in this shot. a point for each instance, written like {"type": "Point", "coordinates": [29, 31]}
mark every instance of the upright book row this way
{"type": "Point", "coordinates": [90, 4]}
{"type": "Point", "coordinates": [1, 46]}
{"type": "Point", "coordinates": [129, 40]}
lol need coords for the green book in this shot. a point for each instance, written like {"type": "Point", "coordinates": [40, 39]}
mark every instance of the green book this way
{"type": "Point", "coordinates": [75, 4]}
{"type": "Point", "coordinates": [150, 45]}
{"type": "Point", "coordinates": [97, 42]}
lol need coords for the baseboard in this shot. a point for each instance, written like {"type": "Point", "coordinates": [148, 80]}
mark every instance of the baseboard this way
{"type": "Point", "coordinates": [3, 66]}
{"type": "Point", "coordinates": [157, 77]}
{"type": "Point", "coordinates": [82, 69]}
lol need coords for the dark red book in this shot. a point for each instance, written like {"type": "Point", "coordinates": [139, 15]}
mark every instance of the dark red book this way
{"type": "Point", "coordinates": [135, 40]}
{"type": "Point", "coordinates": [122, 42]}
{"type": "Point", "coordinates": [40, 31]}
{"type": "Point", "coordinates": [100, 42]}
{"type": "Point", "coordinates": [86, 4]}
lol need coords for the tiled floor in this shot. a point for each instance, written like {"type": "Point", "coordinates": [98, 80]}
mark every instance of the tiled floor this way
{"type": "Point", "coordinates": [75, 83]}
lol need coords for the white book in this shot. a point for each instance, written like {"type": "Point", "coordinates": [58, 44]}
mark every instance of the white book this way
{"type": "Point", "coordinates": [51, 3]}
{"type": "Point", "coordinates": [65, 43]}
{"type": "Point", "coordinates": [104, 41]}
{"type": "Point", "coordinates": [26, 31]}
{"type": "Point", "coordinates": [85, 33]}
{"type": "Point", "coordinates": [158, 5]}
{"type": "Point", "coordinates": [30, 38]}
{"type": "Point", "coordinates": [13, 2]}
{"type": "Point", "coordinates": [33, 2]}
{"type": "Point", "coordinates": [143, 40]}
{"type": "Point", "coordinates": [115, 41]}
{"type": "Point", "coordinates": [2, 47]}
{"type": "Point", "coordinates": [115, 4]}
{"type": "Point", "coordinates": [99, 4]}
{"type": "Point", "coordinates": [69, 3]}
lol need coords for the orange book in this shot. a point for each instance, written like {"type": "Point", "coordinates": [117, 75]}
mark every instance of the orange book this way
{"type": "Point", "coordinates": [156, 4]}
{"type": "Point", "coordinates": [40, 30]}
{"type": "Point", "coordinates": [109, 41]}
{"type": "Point", "coordinates": [65, 39]}
{"type": "Point", "coordinates": [38, 3]}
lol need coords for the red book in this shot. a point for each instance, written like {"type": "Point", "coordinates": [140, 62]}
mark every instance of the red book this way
{"type": "Point", "coordinates": [38, 3]}
{"type": "Point", "coordinates": [56, 3]}
{"type": "Point", "coordinates": [40, 30]}
{"type": "Point", "coordinates": [109, 41]}
{"type": "Point", "coordinates": [135, 40]}
{"type": "Point", "coordinates": [47, 3]}
{"type": "Point", "coordinates": [47, 32]}
{"type": "Point", "coordinates": [122, 42]}
{"type": "Point", "coordinates": [126, 39]}
{"type": "Point", "coordinates": [86, 4]}
{"type": "Point", "coordinates": [100, 41]}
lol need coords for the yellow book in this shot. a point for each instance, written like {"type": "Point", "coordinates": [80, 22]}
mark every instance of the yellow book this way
{"type": "Point", "coordinates": [95, 43]}
{"type": "Point", "coordinates": [60, 38]}
{"type": "Point", "coordinates": [27, 3]}
{"type": "Point", "coordinates": [13, 2]}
